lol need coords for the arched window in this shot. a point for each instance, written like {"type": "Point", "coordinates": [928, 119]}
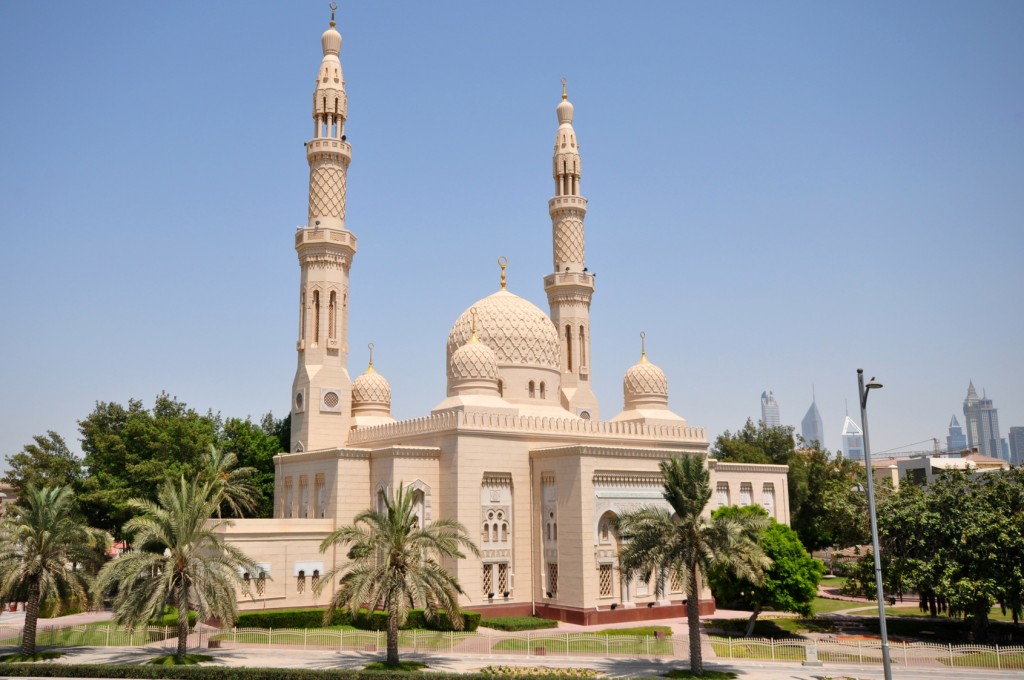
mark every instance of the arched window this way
{"type": "Point", "coordinates": [332, 316]}
{"type": "Point", "coordinates": [501, 388]}
{"type": "Point", "coordinates": [583, 347]}
{"type": "Point", "coordinates": [486, 533]}
{"type": "Point", "coordinates": [494, 532]}
{"type": "Point", "coordinates": [542, 390]}
{"type": "Point", "coordinates": [316, 317]}
{"type": "Point", "coordinates": [419, 507]}
{"type": "Point", "coordinates": [302, 314]}
{"type": "Point", "coordinates": [382, 506]}
{"type": "Point", "coordinates": [532, 389]}
{"type": "Point", "coordinates": [504, 531]}
{"type": "Point", "coordinates": [568, 347]}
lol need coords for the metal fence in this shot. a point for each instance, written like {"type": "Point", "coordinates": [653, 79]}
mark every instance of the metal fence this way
{"type": "Point", "coordinates": [534, 643]}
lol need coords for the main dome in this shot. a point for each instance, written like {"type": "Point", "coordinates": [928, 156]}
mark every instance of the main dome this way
{"type": "Point", "coordinates": [516, 330]}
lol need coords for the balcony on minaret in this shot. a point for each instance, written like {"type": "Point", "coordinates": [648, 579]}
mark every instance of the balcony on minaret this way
{"type": "Point", "coordinates": [326, 144]}
{"type": "Point", "coordinates": [321, 235]}
{"type": "Point", "coordinates": [566, 202]}
{"type": "Point", "coordinates": [570, 279]}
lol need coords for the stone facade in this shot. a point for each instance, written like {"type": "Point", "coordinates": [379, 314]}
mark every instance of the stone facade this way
{"type": "Point", "coordinates": [515, 450]}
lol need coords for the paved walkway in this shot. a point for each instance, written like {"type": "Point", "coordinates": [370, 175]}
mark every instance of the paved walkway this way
{"type": "Point", "coordinates": [284, 658]}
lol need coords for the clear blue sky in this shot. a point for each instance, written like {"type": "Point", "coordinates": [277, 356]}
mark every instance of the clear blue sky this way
{"type": "Point", "coordinates": [780, 193]}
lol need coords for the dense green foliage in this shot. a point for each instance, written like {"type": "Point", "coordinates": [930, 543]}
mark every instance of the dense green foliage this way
{"type": "Point", "coordinates": [657, 543]}
{"type": "Point", "coordinates": [958, 543]}
{"type": "Point", "coordinates": [825, 504]}
{"type": "Point", "coordinates": [129, 451]}
{"type": "Point", "coordinates": [180, 559]}
{"type": "Point", "coordinates": [790, 584]}
{"type": "Point", "coordinates": [43, 547]}
{"type": "Point", "coordinates": [515, 623]}
{"type": "Point", "coordinates": [314, 618]}
{"type": "Point", "coordinates": [395, 565]}
{"type": "Point", "coordinates": [46, 462]}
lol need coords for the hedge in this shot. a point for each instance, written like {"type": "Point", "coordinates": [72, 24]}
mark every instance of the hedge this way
{"type": "Point", "coordinates": [314, 618]}
{"type": "Point", "coordinates": [514, 623]}
{"type": "Point", "coordinates": [170, 618]}
{"type": "Point", "coordinates": [44, 670]}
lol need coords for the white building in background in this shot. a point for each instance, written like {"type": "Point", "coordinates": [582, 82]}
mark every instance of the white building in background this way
{"type": "Point", "coordinates": [770, 409]}
{"type": "Point", "coordinates": [515, 449]}
{"type": "Point", "coordinates": [853, 440]}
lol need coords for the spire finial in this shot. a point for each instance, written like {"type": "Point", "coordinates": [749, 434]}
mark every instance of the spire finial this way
{"type": "Point", "coordinates": [472, 337]}
{"type": "Point", "coordinates": [564, 94]}
{"type": "Point", "coordinates": [503, 262]}
{"type": "Point", "coordinates": [370, 369]}
{"type": "Point", "coordinates": [643, 348]}
{"type": "Point", "coordinates": [334, 7]}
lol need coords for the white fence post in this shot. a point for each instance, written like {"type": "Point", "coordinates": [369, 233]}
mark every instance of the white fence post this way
{"type": "Point", "coordinates": [107, 638]}
{"type": "Point", "coordinates": [730, 646]}
{"type": "Point", "coordinates": [999, 666]}
{"type": "Point", "coordinates": [906, 662]}
{"type": "Point", "coordinates": [951, 655]}
{"type": "Point", "coordinates": [773, 648]}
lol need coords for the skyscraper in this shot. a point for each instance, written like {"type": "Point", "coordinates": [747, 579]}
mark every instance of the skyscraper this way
{"type": "Point", "coordinates": [770, 410]}
{"type": "Point", "coordinates": [853, 440]}
{"type": "Point", "coordinates": [982, 423]}
{"type": "Point", "coordinates": [956, 440]}
{"type": "Point", "coordinates": [811, 426]}
{"type": "Point", "coordinates": [1017, 445]}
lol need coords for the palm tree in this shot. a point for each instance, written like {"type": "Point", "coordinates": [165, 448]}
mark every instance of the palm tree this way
{"type": "Point", "coordinates": [688, 543]}
{"type": "Point", "coordinates": [42, 543]}
{"type": "Point", "coordinates": [230, 486]}
{"type": "Point", "coordinates": [394, 565]}
{"type": "Point", "coordinates": [179, 559]}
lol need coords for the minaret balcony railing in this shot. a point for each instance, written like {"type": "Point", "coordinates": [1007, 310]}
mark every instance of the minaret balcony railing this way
{"type": "Point", "coordinates": [321, 235]}
{"type": "Point", "coordinates": [569, 279]}
{"type": "Point", "coordinates": [567, 202]}
{"type": "Point", "coordinates": [328, 145]}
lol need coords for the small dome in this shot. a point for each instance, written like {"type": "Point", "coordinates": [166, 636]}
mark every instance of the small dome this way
{"type": "Point", "coordinates": [644, 380]}
{"type": "Point", "coordinates": [331, 41]}
{"type": "Point", "coordinates": [473, 361]}
{"type": "Point", "coordinates": [516, 330]}
{"type": "Point", "coordinates": [564, 111]}
{"type": "Point", "coordinates": [371, 388]}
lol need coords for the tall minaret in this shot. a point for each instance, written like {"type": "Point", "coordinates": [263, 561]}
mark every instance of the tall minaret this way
{"type": "Point", "coordinates": [321, 392]}
{"type": "Point", "coordinates": [571, 287]}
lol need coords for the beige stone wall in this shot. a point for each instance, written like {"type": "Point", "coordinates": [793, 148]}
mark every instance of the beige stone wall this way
{"type": "Point", "coordinates": [736, 478]}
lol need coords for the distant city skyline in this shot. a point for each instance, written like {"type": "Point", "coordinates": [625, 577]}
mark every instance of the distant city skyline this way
{"type": "Point", "coordinates": [811, 427]}
{"type": "Point", "coordinates": [981, 421]}
{"type": "Point", "coordinates": [822, 156]}
{"type": "Point", "coordinates": [770, 409]}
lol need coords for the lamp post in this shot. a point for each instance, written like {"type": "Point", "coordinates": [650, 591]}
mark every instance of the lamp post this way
{"type": "Point", "coordinates": [863, 391]}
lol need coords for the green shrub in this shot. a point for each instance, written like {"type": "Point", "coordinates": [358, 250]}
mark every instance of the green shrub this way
{"type": "Point", "coordinates": [514, 623]}
{"type": "Point", "coordinates": [378, 620]}
{"type": "Point", "coordinates": [48, 608]}
{"type": "Point", "coordinates": [170, 618]}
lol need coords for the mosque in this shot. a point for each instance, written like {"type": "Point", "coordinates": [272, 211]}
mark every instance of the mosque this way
{"type": "Point", "coordinates": [516, 450]}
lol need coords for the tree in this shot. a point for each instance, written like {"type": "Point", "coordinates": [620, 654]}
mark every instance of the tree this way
{"type": "Point", "coordinates": [255, 446]}
{"type": "Point", "coordinates": [42, 544]}
{"type": "Point", "coordinates": [47, 462]}
{"type": "Point", "coordinates": [755, 444]}
{"type": "Point", "coordinates": [231, 487]}
{"type": "Point", "coordinates": [179, 559]}
{"type": "Point", "coordinates": [688, 544]}
{"type": "Point", "coordinates": [790, 584]}
{"type": "Point", "coordinates": [394, 565]}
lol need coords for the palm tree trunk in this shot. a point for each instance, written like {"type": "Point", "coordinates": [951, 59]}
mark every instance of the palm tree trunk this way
{"type": "Point", "coordinates": [182, 649]}
{"type": "Point", "coordinates": [693, 621]}
{"type": "Point", "coordinates": [392, 659]}
{"type": "Point", "coordinates": [752, 620]}
{"type": "Point", "coordinates": [28, 636]}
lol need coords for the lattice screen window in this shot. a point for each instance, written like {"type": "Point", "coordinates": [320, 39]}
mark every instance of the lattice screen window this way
{"type": "Point", "coordinates": [261, 584]}
{"type": "Point", "coordinates": [553, 579]}
{"type": "Point", "coordinates": [300, 582]}
{"type": "Point", "coordinates": [604, 579]}
{"type": "Point", "coordinates": [746, 493]}
{"type": "Point", "coordinates": [316, 317]}
{"type": "Point", "coordinates": [332, 316]}
{"type": "Point", "coordinates": [503, 577]}
{"type": "Point", "coordinates": [768, 498]}
{"type": "Point", "coordinates": [488, 582]}
{"type": "Point", "coordinates": [675, 584]}
{"type": "Point", "coordinates": [722, 493]}
{"type": "Point", "coordinates": [315, 579]}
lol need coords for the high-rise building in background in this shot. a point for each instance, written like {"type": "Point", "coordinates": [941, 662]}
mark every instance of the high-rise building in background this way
{"type": "Point", "coordinates": [853, 440]}
{"type": "Point", "coordinates": [770, 410]}
{"type": "Point", "coordinates": [956, 440]}
{"type": "Point", "coordinates": [811, 426]}
{"type": "Point", "coordinates": [1016, 445]}
{"type": "Point", "coordinates": [981, 419]}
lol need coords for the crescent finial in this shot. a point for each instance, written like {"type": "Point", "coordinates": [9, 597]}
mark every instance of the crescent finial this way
{"type": "Point", "coordinates": [334, 7]}
{"type": "Point", "coordinates": [503, 262]}
{"type": "Point", "coordinates": [643, 347]}
{"type": "Point", "coordinates": [369, 346]}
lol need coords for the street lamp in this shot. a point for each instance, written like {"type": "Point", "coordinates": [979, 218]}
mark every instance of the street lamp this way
{"type": "Point", "coordinates": [863, 391]}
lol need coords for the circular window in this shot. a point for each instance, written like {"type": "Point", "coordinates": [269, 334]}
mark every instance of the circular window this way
{"type": "Point", "coordinates": [298, 400]}
{"type": "Point", "coordinates": [331, 399]}
{"type": "Point", "coordinates": [490, 515]}
{"type": "Point", "coordinates": [585, 415]}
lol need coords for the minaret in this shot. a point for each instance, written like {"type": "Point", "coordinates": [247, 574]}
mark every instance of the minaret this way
{"type": "Point", "coordinates": [321, 392]}
{"type": "Point", "coordinates": [571, 287]}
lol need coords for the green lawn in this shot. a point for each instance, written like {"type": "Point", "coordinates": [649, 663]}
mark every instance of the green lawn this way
{"type": "Point", "coordinates": [995, 614]}
{"type": "Point", "coordinates": [781, 627]}
{"type": "Point", "coordinates": [421, 638]}
{"type": "Point", "coordinates": [824, 605]}
{"type": "Point", "coordinates": [833, 581]}
{"type": "Point", "coordinates": [986, 660]}
{"type": "Point", "coordinates": [92, 635]}
{"type": "Point", "coordinates": [612, 641]}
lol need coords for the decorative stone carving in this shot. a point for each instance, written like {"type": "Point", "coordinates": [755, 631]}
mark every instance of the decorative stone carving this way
{"type": "Point", "coordinates": [516, 331]}
{"type": "Point", "coordinates": [568, 241]}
